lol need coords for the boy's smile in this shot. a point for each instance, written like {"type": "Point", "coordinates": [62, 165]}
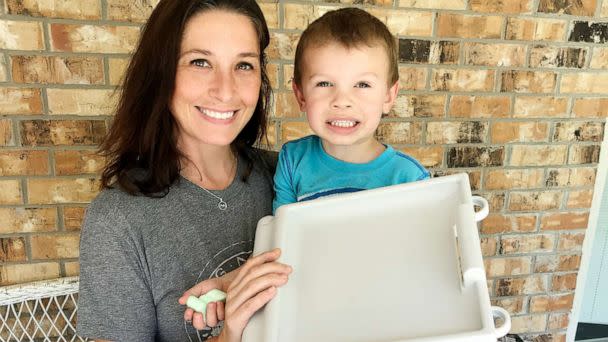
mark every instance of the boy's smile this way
{"type": "Point", "coordinates": [344, 92]}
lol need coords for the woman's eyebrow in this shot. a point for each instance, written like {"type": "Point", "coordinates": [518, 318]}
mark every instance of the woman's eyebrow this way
{"type": "Point", "coordinates": [209, 53]}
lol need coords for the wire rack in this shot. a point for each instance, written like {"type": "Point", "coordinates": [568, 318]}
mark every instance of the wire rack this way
{"type": "Point", "coordinates": [39, 311]}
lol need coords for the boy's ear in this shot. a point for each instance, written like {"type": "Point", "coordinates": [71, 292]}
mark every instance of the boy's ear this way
{"type": "Point", "coordinates": [299, 96]}
{"type": "Point", "coordinates": [391, 96]}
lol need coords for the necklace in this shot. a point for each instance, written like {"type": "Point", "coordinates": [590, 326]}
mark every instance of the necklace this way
{"type": "Point", "coordinates": [221, 204]}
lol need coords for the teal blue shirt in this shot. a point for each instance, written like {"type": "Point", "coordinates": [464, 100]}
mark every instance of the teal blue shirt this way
{"type": "Point", "coordinates": [305, 171]}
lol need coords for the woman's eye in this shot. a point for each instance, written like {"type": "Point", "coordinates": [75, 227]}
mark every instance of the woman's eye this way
{"type": "Point", "coordinates": [202, 63]}
{"type": "Point", "coordinates": [244, 66]}
{"type": "Point", "coordinates": [323, 84]}
{"type": "Point", "coordinates": [363, 85]}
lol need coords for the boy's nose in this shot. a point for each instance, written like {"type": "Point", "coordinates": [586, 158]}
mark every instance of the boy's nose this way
{"type": "Point", "coordinates": [341, 101]}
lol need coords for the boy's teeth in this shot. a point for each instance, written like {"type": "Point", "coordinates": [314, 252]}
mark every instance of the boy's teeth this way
{"type": "Point", "coordinates": [218, 115]}
{"type": "Point", "coordinates": [343, 123]}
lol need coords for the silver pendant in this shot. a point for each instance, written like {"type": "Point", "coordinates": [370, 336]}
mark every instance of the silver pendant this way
{"type": "Point", "coordinates": [222, 205]}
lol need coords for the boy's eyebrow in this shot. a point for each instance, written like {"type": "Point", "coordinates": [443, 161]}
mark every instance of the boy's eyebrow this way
{"type": "Point", "coordinates": [209, 53]}
{"type": "Point", "coordinates": [359, 75]}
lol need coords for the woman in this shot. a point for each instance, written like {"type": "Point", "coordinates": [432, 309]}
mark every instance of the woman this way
{"type": "Point", "coordinates": [183, 187]}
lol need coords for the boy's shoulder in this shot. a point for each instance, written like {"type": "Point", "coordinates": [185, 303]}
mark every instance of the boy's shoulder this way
{"type": "Point", "coordinates": [411, 163]}
{"type": "Point", "coordinates": [300, 144]}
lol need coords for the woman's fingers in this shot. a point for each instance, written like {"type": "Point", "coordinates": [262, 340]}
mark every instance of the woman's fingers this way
{"type": "Point", "coordinates": [220, 311]}
{"type": "Point", "coordinates": [258, 271]}
{"type": "Point", "coordinates": [200, 288]}
{"type": "Point", "coordinates": [188, 315]}
{"type": "Point", "coordinates": [252, 289]}
{"type": "Point", "coordinates": [256, 261]}
{"type": "Point", "coordinates": [198, 322]}
{"type": "Point", "coordinates": [211, 316]}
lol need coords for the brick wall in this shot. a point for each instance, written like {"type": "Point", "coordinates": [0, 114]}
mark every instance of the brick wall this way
{"type": "Point", "coordinates": [515, 93]}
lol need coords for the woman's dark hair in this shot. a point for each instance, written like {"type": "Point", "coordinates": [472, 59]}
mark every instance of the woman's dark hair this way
{"type": "Point", "coordinates": [143, 135]}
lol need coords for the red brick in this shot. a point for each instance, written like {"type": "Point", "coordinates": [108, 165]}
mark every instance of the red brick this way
{"type": "Point", "coordinates": [561, 221]}
{"type": "Point", "coordinates": [24, 162]}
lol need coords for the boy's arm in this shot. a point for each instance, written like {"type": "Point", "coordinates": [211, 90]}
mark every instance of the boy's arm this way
{"type": "Point", "coordinates": [283, 182]}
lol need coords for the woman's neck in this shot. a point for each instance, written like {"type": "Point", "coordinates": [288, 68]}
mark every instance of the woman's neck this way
{"type": "Point", "coordinates": [212, 168]}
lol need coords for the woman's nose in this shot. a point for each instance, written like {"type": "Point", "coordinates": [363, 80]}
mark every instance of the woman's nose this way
{"type": "Point", "coordinates": [223, 86]}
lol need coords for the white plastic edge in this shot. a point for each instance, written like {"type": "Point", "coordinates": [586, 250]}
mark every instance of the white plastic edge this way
{"type": "Point", "coordinates": [485, 207]}
{"type": "Point", "coordinates": [506, 326]}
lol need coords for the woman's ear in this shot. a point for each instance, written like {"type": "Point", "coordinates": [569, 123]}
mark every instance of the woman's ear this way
{"type": "Point", "coordinates": [299, 96]}
{"type": "Point", "coordinates": [391, 96]}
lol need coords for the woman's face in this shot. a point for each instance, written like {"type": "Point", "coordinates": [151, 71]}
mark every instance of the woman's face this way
{"type": "Point", "coordinates": [218, 79]}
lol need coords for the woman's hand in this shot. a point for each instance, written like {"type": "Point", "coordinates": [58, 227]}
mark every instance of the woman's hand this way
{"type": "Point", "coordinates": [248, 288]}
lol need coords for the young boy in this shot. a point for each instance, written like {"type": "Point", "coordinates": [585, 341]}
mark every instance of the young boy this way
{"type": "Point", "coordinates": [345, 78]}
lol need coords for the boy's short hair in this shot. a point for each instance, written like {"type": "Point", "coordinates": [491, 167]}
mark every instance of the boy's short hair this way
{"type": "Point", "coordinates": [350, 27]}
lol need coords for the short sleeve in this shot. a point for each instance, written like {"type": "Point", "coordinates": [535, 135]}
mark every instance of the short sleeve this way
{"type": "Point", "coordinates": [283, 182]}
{"type": "Point", "coordinates": [115, 301]}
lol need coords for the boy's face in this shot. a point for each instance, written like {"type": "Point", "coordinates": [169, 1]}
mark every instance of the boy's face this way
{"type": "Point", "coordinates": [344, 92]}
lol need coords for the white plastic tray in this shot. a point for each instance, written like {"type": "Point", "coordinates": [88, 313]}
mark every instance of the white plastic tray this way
{"type": "Point", "coordinates": [400, 263]}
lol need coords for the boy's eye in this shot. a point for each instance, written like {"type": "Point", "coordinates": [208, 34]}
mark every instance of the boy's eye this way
{"type": "Point", "coordinates": [324, 84]}
{"type": "Point", "coordinates": [201, 63]}
{"type": "Point", "coordinates": [363, 85]}
{"type": "Point", "coordinates": [244, 66]}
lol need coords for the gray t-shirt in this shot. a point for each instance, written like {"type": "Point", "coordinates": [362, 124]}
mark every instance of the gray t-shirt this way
{"type": "Point", "coordinates": [139, 254]}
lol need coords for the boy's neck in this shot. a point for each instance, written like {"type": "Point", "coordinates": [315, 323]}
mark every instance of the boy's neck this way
{"type": "Point", "coordinates": [356, 154]}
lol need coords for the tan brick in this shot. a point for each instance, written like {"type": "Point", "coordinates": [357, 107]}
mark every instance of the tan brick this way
{"type": "Point", "coordinates": [116, 69]}
{"type": "Point", "coordinates": [604, 11]}
{"type": "Point", "coordinates": [498, 223]}
{"type": "Point", "coordinates": [570, 177]}
{"type": "Point", "coordinates": [282, 45]}
{"type": "Point", "coordinates": [6, 133]}
{"type": "Point", "coordinates": [55, 246]}
{"type": "Point", "coordinates": [556, 57]}
{"type": "Point", "coordinates": [395, 133]}
{"type": "Point", "coordinates": [564, 282]}
{"type": "Point", "coordinates": [271, 134]}
{"type": "Point", "coordinates": [3, 74]}
{"type": "Point", "coordinates": [412, 78]}
{"type": "Point", "coordinates": [538, 155]}
{"type": "Point", "coordinates": [513, 266]}
{"type": "Point", "coordinates": [426, 51]}
{"type": "Point", "coordinates": [10, 192]}
{"type": "Point", "coordinates": [287, 76]}
{"type": "Point", "coordinates": [496, 200]}
{"type": "Point", "coordinates": [73, 162]}
{"type": "Point", "coordinates": [272, 70]}
{"type": "Point", "coordinates": [529, 324]}
{"type": "Point", "coordinates": [514, 179]}
{"type": "Point", "coordinates": [537, 29]}
{"type": "Point", "coordinates": [500, 6]}
{"type": "Point", "coordinates": [514, 306]}
{"type": "Point", "coordinates": [24, 162]}
{"type": "Point", "coordinates": [93, 38]}
{"type": "Point", "coordinates": [12, 249]}
{"type": "Point", "coordinates": [21, 35]}
{"type": "Point", "coordinates": [419, 106]}
{"type": "Point", "coordinates": [72, 268]}
{"type": "Point", "coordinates": [82, 101]}
{"type": "Point", "coordinates": [558, 336]}
{"type": "Point", "coordinates": [62, 132]}
{"type": "Point", "coordinates": [528, 243]}
{"type": "Point", "coordinates": [535, 200]}
{"type": "Point", "coordinates": [410, 23]}
{"type": "Point", "coordinates": [271, 14]}
{"type": "Point", "coordinates": [462, 80]}
{"type": "Point", "coordinates": [428, 156]}
{"type": "Point", "coordinates": [600, 58]}
{"type": "Point", "coordinates": [581, 8]}
{"type": "Point", "coordinates": [507, 287]}
{"type": "Point", "coordinates": [571, 242]}
{"type": "Point", "coordinates": [463, 106]}
{"type": "Point", "coordinates": [540, 107]}
{"type": "Point", "coordinates": [468, 26]}
{"type": "Point", "coordinates": [20, 101]}
{"type": "Point", "coordinates": [82, 9]}
{"type": "Point", "coordinates": [298, 16]}
{"type": "Point", "coordinates": [567, 220]}
{"type": "Point", "coordinates": [488, 246]}
{"type": "Point", "coordinates": [135, 11]}
{"type": "Point", "coordinates": [528, 81]}
{"type": "Point", "coordinates": [286, 106]}
{"type": "Point", "coordinates": [579, 199]}
{"type": "Point", "coordinates": [558, 321]}
{"type": "Point", "coordinates": [584, 154]}
{"type": "Point", "coordinates": [24, 273]}
{"type": "Point", "coordinates": [578, 131]}
{"type": "Point", "coordinates": [294, 130]}
{"type": "Point", "coordinates": [473, 156]}
{"type": "Point", "coordinates": [59, 190]}
{"type": "Point", "coordinates": [557, 263]}
{"type": "Point", "coordinates": [27, 220]}
{"type": "Point", "coordinates": [73, 217]}
{"type": "Point", "coordinates": [434, 4]}
{"type": "Point", "coordinates": [456, 132]}
{"type": "Point", "coordinates": [63, 70]}
{"type": "Point", "coordinates": [590, 107]}
{"type": "Point", "coordinates": [494, 54]}
{"type": "Point", "coordinates": [551, 303]}
{"type": "Point", "coordinates": [510, 132]}
{"type": "Point", "coordinates": [587, 83]}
